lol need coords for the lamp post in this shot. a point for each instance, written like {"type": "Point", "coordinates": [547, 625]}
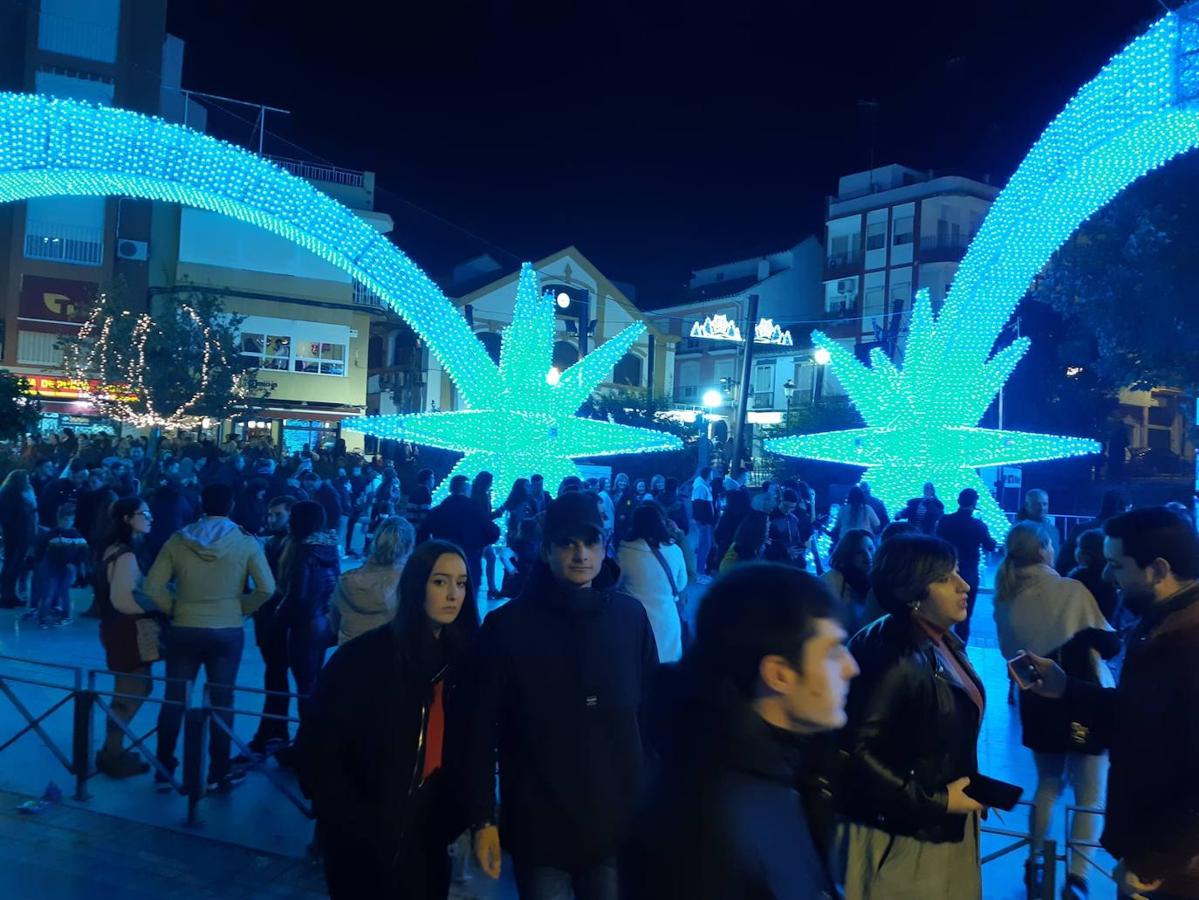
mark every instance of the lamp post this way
{"type": "Point", "coordinates": [711, 399]}
{"type": "Point", "coordinates": [821, 358]}
{"type": "Point", "coordinates": [789, 387]}
{"type": "Point", "coordinates": [743, 391]}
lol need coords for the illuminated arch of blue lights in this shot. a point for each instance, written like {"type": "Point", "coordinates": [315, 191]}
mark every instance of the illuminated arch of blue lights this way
{"type": "Point", "coordinates": [922, 418]}
{"type": "Point", "coordinates": [56, 147]}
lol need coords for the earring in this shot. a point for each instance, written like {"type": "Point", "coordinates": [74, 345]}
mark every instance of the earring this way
{"type": "Point", "coordinates": [914, 605]}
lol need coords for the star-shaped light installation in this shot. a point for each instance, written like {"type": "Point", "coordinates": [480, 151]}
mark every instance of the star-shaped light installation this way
{"type": "Point", "coordinates": [529, 424]}
{"type": "Point", "coordinates": [922, 419]}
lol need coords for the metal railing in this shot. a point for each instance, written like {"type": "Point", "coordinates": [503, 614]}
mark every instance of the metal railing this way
{"type": "Point", "coordinates": [79, 244]}
{"type": "Point", "coordinates": [81, 690]}
{"type": "Point", "coordinates": [1040, 870]}
{"type": "Point", "coordinates": [364, 296]}
{"type": "Point", "coordinates": [1080, 847]}
{"type": "Point", "coordinates": [313, 172]}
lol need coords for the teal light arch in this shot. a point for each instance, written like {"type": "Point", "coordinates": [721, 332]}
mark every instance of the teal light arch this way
{"type": "Point", "coordinates": [53, 147]}
{"type": "Point", "coordinates": [922, 417]}
{"type": "Point", "coordinates": [50, 146]}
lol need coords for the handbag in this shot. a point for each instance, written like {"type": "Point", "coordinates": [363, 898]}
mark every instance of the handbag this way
{"type": "Point", "coordinates": [678, 599]}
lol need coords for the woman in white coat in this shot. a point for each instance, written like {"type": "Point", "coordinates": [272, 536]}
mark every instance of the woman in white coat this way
{"type": "Point", "coordinates": [1038, 610]}
{"type": "Point", "coordinates": [654, 571]}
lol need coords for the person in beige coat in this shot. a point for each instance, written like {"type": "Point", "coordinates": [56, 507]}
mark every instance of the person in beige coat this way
{"type": "Point", "coordinates": [210, 563]}
{"type": "Point", "coordinates": [365, 598]}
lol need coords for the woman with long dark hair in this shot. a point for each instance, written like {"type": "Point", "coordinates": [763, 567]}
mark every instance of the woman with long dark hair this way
{"type": "Point", "coordinates": [129, 634]}
{"type": "Point", "coordinates": [309, 567]}
{"type": "Point", "coordinates": [749, 541]}
{"type": "Point", "coordinates": [376, 745]}
{"type": "Point", "coordinates": [848, 576]}
{"type": "Point", "coordinates": [655, 572]}
{"type": "Point", "coordinates": [18, 524]}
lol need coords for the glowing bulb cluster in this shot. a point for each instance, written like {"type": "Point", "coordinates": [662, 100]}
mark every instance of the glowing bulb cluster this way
{"type": "Point", "coordinates": [529, 426]}
{"type": "Point", "coordinates": [1136, 115]}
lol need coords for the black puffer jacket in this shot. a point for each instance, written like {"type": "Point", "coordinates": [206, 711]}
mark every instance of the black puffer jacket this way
{"type": "Point", "coordinates": [561, 678]}
{"type": "Point", "coordinates": [912, 730]}
{"type": "Point", "coordinates": [312, 576]}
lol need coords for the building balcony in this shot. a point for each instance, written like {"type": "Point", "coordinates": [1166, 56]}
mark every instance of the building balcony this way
{"type": "Point", "coordinates": [364, 296]}
{"type": "Point", "coordinates": [842, 264]}
{"type": "Point", "coordinates": [934, 250]}
{"type": "Point", "coordinates": [81, 245]}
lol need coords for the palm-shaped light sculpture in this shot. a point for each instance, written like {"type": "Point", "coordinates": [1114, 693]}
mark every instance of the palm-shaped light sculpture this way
{"type": "Point", "coordinates": [522, 417]}
{"type": "Point", "coordinates": [922, 417]}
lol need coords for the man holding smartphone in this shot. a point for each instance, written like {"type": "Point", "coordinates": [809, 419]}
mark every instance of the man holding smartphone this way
{"type": "Point", "coordinates": [1150, 721]}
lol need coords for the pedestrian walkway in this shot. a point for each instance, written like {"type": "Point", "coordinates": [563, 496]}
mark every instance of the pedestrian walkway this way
{"type": "Point", "coordinates": [256, 826]}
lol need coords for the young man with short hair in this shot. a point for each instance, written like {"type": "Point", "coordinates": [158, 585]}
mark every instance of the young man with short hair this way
{"type": "Point", "coordinates": [742, 806]}
{"type": "Point", "coordinates": [558, 697]}
{"type": "Point", "coordinates": [1148, 720]}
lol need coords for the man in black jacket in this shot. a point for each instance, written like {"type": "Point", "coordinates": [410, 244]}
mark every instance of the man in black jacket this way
{"type": "Point", "coordinates": [559, 689]}
{"type": "Point", "coordinates": [970, 537]}
{"type": "Point", "coordinates": [1149, 720]}
{"type": "Point", "coordinates": [459, 520]}
{"type": "Point", "coordinates": [741, 807]}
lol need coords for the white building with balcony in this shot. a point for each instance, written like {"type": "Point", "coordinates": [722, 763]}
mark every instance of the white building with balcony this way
{"type": "Point", "coordinates": [889, 232]}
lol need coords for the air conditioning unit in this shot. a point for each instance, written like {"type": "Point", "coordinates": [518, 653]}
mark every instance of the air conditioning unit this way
{"type": "Point", "coordinates": [135, 250]}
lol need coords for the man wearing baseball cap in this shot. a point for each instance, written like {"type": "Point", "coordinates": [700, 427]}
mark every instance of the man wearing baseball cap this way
{"type": "Point", "coordinates": [558, 696]}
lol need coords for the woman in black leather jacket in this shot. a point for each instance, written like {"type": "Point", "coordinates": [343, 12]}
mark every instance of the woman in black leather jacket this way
{"type": "Point", "coordinates": [914, 717]}
{"type": "Point", "coordinates": [308, 571]}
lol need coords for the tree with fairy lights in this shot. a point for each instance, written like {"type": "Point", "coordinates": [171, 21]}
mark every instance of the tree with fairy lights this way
{"type": "Point", "coordinates": [169, 368]}
{"type": "Point", "coordinates": [19, 410]}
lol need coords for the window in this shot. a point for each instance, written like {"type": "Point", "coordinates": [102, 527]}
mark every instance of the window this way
{"type": "Point", "coordinates": [1162, 416]}
{"type": "Point", "coordinates": [763, 379]}
{"type": "Point", "coordinates": [949, 234]}
{"type": "Point", "coordinates": [65, 229]}
{"type": "Point", "coordinates": [318, 358]}
{"type": "Point", "coordinates": [83, 28]}
{"type": "Point", "coordinates": [273, 351]}
{"type": "Point", "coordinates": [876, 235]}
{"type": "Point", "coordinates": [903, 230]}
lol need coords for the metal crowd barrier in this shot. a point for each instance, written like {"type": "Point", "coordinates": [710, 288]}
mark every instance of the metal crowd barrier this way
{"type": "Point", "coordinates": [81, 690]}
{"type": "Point", "coordinates": [1040, 870]}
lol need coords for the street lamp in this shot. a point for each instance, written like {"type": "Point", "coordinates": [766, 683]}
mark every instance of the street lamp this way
{"type": "Point", "coordinates": [822, 358]}
{"type": "Point", "coordinates": [712, 398]}
{"type": "Point", "coordinates": [789, 387]}
{"type": "Point", "coordinates": [563, 300]}
{"type": "Point", "coordinates": [553, 376]}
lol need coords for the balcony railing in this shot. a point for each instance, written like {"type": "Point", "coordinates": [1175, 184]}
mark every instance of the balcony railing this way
{"type": "Point", "coordinates": [312, 172]}
{"type": "Point", "coordinates": [75, 37]}
{"type": "Point", "coordinates": [78, 244]}
{"type": "Point", "coordinates": [944, 249]}
{"type": "Point", "coordinates": [364, 296]}
{"type": "Point", "coordinates": [843, 263]}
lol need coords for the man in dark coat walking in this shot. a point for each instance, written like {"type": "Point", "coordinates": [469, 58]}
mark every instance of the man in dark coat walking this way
{"type": "Point", "coordinates": [459, 520]}
{"type": "Point", "coordinates": [970, 537]}
{"type": "Point", "coordinates": [1149, 719]}
{"type": "Point", "coordinates": [741, 805]}
{"type": "Point", "coordinates": [558, 695]}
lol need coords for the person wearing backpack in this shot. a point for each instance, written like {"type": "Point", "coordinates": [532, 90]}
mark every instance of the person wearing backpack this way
{"type": "Point", "coordinates": [655, 572]}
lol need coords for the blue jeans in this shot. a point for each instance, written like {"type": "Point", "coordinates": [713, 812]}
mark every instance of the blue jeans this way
{"type": "Point", "coordinates": [51, 591]}
{"type": "Point", "coordinates": [218, 650]}
{"type": "Point", "coordinates": [598, 882]}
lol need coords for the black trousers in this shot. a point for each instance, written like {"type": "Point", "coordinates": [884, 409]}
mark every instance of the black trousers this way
{"type": "Point", "coordinates": [271, 637]}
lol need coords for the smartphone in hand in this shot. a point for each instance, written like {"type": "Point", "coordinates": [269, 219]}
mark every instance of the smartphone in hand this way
{"type": "Point", "coordinates": [1024, 671]}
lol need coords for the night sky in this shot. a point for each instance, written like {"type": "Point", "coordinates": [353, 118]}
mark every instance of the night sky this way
{"type": "Point", "coordinates": [657, 137]}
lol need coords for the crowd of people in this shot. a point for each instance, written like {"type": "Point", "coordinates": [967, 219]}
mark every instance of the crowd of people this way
{"type": "Point", "coordinates": [811, 730]}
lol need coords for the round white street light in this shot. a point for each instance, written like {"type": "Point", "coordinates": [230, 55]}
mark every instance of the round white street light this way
{"type": "Point", "coordinates": [553, 376]}
{"type": "Point", "coordinates": [822, 357]}
{"type": "Point", "coordinates": [712, 398]}
{"type": "Point", "coordinates": [563, 299]}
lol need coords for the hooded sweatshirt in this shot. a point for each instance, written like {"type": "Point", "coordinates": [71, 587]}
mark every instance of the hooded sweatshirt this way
{"type": "Point", "coordinates": [365, 598]}
{"type": "Point", "coordinates": [210, 562]}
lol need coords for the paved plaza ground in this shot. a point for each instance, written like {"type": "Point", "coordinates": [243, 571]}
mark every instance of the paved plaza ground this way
{"type": "Point", "coordinates": [129, 841]}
